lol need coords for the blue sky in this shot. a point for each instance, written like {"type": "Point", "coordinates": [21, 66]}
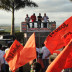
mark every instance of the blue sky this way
{"type": "Point", "coordinates": [57, 10]}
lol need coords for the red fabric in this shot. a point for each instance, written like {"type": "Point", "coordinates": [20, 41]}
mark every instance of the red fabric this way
{"type": "Point", "coordinates": [41, 62]}
{"type": "Point", "coordinates": [22, 55]}
{"type": "Point", "coordinates": [33, 18]}
{"type": "Point", "coordinates": [13, 54]}
{"type": "Point", "coordinates": [67, 37]}
{"type": "Point", "coordinates": [63, 60]}
{"type": "Point", "coordinates": [54, 40]}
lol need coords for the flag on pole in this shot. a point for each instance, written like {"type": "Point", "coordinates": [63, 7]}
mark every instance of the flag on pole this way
{"type": "Point", "coordinates": [12, 55]}
{"type": "Point", "coordinates": [63, 60]}
{"type": "Point", "coordinates": [18, 55]}
{"type": "Point", "coordinates": [54, 40]}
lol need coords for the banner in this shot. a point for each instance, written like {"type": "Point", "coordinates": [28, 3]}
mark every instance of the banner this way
{"type": "Point", "coordinates": [12, 55]}
{"type": "Point", "coordinates": [54, 40]}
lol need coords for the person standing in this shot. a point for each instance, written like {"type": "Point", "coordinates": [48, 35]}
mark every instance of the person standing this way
{"type": "Point", "coordinates": [33, 18]}
{"type": "Point", "coordinates": [45, 19]}
{"type": "Point", "coordinates": [37, 67]}
{"type": "Point", "coordinates": [27, 19]}
{"type": "Point", "coordinates": [45, 57]}
{"type": "Point", "coordinates": [39, 20]}
{"type": "Point", "coordinates": [3, 51]}
{"type": "Point", "coordinates": [6, 64]}
{"type": "Point", "coordinates": [1, 59]}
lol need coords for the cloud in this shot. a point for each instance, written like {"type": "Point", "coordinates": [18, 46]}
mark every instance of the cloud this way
{"type": "Point", "coordinates": [54, 5]}
{"type": "Point", "coordinates": [57, 10]}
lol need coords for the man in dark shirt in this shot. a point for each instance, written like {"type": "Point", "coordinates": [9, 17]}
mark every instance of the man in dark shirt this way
{"type": "Point", "coordinates": [39, 20]}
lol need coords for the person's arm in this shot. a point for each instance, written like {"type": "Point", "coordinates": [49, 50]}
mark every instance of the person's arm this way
{"type": "Point", "coordinates": [29, 19]}
{"type": "Point", "coordinates": [47, 17]}
{"type": "Point", "coordinates": [35, 18]}
{"type": "Point", "coordinates": [2, 62]}
{"type": "Point", "coordinates": [37, 49]}
{"type": "Point", "coordinates": [43, 18]}
{"type": "Point", "coordinates": [48, 55]}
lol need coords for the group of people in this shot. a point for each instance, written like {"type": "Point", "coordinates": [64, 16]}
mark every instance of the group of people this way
{"type": "Point", "coordinates": [39, 65]}
{"type": "Point", "coordinates": [39, 18]}
{"type": "Point", "coordinates": [42, 56]}
{"type": "Point", "coordinates": [42, 59]}
{"type": "Point", "coordinates": [4, 67]}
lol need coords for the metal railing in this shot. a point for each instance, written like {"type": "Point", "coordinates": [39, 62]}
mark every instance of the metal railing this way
{"type": "Point", "coordinates": [37, 24]}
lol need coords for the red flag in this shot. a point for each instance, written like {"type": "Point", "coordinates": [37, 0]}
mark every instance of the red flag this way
{"type": "Point", "coordinates": [54, 40]}
{"type": "Point", "coordinates": [23, 55]}
{"type": "Point", "coordinates": [12, 54]}
{"type": "Point", "coordinates": [63, 60]}
{"type": "Point", "coordinates": [29, 51]}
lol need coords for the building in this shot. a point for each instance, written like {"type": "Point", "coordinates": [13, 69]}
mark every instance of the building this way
{"type": "Point", "coordinates": [40, 33]}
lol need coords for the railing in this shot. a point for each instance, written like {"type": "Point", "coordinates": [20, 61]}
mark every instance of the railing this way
{"type": "Point", "coordinates": [25, 27]}
{"type": "Point", "coordinates": [36, 24]}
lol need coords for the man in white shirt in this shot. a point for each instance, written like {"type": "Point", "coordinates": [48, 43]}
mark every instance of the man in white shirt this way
{"type": "Point", "coordinates": [45, 57]}
{"type": "Point", "coordinates": [27, 19]}
{"type": "Point", "coordinates": [45, 19]}
{"type": "Point", "coordinates": [1, 58]}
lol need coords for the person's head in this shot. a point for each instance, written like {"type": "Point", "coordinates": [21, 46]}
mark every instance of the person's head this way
{"type": "Point", "coordinates": [0, 46]}
{"type": "Point", "coordinates": [34, 14]}
{"type": "Point", "coordinates": [9, 44]}
{"type": "Point", "coordinates": [37, 46]}
{"type": "Point", "coordinates": [43, 45]}
{"type": "Point", "coordinates": [44, 14]}
{"type": "Point", "coordinates": [26, 15]}
{"type": "Point", "coordinates": [3, 48]}
{"type": "Point", "coordinates": [37, 67]}
{"type": "Point", "coordinates": [39, 14]}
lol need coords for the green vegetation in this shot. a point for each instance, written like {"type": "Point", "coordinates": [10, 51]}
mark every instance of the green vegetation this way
{"type": "Point", "coordinates": [7, 28]}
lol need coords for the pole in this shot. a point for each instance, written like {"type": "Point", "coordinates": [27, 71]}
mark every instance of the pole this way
{"type": "Point", "coordinates": [39, 39]}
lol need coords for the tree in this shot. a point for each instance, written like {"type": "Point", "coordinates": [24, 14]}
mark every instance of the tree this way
{"type": "Point", "coordinates": [12, 5]}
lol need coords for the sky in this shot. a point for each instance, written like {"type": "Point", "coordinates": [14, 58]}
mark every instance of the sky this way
{"type": "Point", "coordinates": [56, 10]}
